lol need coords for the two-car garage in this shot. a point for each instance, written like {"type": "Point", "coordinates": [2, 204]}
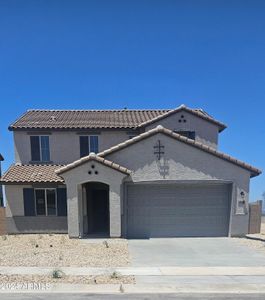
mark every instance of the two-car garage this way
{"type": "Point", "coordinates": [174, 210]}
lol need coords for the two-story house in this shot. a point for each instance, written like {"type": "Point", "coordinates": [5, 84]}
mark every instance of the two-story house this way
{"type": "Point", "coordinates": [130, 173]}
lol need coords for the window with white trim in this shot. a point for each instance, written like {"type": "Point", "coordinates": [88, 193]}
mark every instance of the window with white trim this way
{"type": "Point", "coordinates": [46, 202]}
{"type": "Point", "coordinates": [88, 144]}
{"type": "Point", "coordinates": [40, 148]}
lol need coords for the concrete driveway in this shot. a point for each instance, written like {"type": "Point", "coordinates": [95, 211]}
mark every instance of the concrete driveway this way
{"type": "Point", "coordinates": [193, 252]}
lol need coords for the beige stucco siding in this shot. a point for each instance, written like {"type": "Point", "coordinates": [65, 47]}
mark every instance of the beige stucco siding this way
{"type": "Point", "coordinates": [183, 162]}
{"type": "Point", "coordinates": [206, 132]}
{"type": "Point", "coordinates": [74, 179]}
{"type": "Point", "coordinates": [14, 197]}
{"type": "Point", "coordinates": [64, 146]}
{"type": "Point", "coordinates": [17, 222]}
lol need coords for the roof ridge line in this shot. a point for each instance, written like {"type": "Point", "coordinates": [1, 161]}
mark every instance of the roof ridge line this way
{"type": "Point", "coordinates": [194, 111]}
{"type": "Point", "coordinates": [181, 138]}
{"type": "Point", "coordinates": [94, 157]}
{"type": "Point", "coordinates": [99, 110]}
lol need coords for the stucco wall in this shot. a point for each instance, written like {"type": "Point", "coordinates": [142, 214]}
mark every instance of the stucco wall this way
{"type": "Point", "coordinates": [14, 200]}
{"type": "Point", "coordinates": [206, 132]}
{"type": "Point", "coordinates": [64, 146]}
{"type": "Point", "coordinates": [74, 180]}
{"type": "Point", "coordinates": [16, 222]}
{"type": "Point", "coordinates": [43, 224]}
{"type": "Point", "coordinates": [184, 163]}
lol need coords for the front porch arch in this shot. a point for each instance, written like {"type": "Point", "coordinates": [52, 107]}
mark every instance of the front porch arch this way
{"type": "Point", "coordinates": [93, 169]}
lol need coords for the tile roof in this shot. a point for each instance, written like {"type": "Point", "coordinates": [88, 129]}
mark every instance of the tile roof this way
{"type": "Point", "coordinates": [197, 112]}
{"type": "Point", "coordinates": [94, 157]}
{"type": "Point", "coordinates": [83, 119]}
{"type": "Point", "coordinates": [31, 174]}
{"type": "Point", "coordinates": [160, 129]}
{"type": "Point", "coordinates": [89, 119]}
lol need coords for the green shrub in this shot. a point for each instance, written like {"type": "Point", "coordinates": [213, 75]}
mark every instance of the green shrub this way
{"type": "Point", "coordinates": [57, 274]}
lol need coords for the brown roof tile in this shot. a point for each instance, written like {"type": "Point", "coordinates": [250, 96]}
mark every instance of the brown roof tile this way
{"type": "Point", "coordinates": [89, 119]}
{"type": "Point", "coordinates": [96, 158]}
{"type": "Point", "coordinates": [83, 119]}
{"type": "Point", "coordinates": [31, 174]}
{"type": "Point", "coordinates": [197, 112]}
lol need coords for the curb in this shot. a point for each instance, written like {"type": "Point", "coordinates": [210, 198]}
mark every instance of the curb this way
{"type": "Point", "coordinates": [140, 271]}
{"type": "Point", "coordinates": [142, 289]}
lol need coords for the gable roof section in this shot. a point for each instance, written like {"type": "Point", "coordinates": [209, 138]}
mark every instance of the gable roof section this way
{"type": "Point", "coordinates": [23, 174]}
{"type": "Point", "coordinates": [96, 119]}
{"type": "Point", "coordinates": [84, 119]}
{"type": "Point", "coordinates": [93, 157]}
{"type": "Point", "coordinates": [197, 112]}
{"type": "Point", "coordinates": [160, 129]}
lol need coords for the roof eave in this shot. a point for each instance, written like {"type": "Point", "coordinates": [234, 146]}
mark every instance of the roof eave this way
{"type": "Point", "coordinates": [90, 157]}
{"type": "Point", "coordinates": [160, 129]}
{"type": "Point", "coordinates": [220, 125]}
{"type": "Point", "coordinates": [3, 182]}
{"type": "Point", "coordinates": [11, 128]}
{"type": "Point", "coordinates": [255, 173]}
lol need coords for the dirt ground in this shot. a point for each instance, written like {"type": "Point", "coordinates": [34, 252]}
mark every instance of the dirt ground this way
{"type": "Point", "coordinates": [57, 250]}
{"type": "Point", "coordinates": [255, 242]}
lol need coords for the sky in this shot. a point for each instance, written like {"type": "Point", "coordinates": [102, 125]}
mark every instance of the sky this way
{"type": "Point", "coordinates": [140, 54]}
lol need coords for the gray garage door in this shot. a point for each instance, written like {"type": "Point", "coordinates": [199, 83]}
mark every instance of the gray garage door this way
{"type": "Point", "coordinates": [173, 210]}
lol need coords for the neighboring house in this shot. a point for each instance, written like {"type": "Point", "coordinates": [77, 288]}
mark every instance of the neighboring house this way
{"type": "Point", "coordinates": [1, 188]}
{"type": "Point", "coordinates": [156, 173]}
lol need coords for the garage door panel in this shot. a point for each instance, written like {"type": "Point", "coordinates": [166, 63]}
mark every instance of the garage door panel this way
{"type": "Point", "coordinates": [172, 210]}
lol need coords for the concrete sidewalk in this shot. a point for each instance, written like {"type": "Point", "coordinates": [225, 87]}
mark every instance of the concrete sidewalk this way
{"type": "Point", "coordinates": [151, 280]}
{"type": "Point", "coordinates": [235, 288]}
{"type": "Point", "coordinates": [140, 271]}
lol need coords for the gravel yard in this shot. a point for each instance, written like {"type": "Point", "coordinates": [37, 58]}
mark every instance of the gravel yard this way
{"type": "Point", "coordinates": [255, 244]}
{"type": "Point", "coordinates": [57, 250]}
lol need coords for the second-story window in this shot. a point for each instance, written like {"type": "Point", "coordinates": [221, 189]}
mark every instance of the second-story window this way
{"type": "Point", "coordinates": [40, 148]}
{"type": "Point", "coordinates": [88, 144]}
{"type": "Point", "coordinates": [188, 134]}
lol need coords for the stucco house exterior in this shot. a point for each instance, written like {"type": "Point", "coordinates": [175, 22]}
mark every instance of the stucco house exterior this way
{"type": "Point", "coordinates": [129, 173]}
{"type": "Point", "coordinates": [1, 188]}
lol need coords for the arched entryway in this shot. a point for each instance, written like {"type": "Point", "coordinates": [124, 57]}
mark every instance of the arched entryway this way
{"type": "Point", "coordinates": [96, 209]}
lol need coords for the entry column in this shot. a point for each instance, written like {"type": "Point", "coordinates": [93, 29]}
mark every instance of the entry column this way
{"type": "Point", "coordinates": [115, 210]}
{"type": "Point", "coordinates": [73, 199]}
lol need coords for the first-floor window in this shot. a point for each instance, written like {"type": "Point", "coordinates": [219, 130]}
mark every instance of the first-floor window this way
{"type": "Point", "coordinates": [46, 202]}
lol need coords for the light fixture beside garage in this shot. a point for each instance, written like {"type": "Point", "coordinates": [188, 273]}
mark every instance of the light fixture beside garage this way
{"type": "Point", "coordinates": [242, 194]}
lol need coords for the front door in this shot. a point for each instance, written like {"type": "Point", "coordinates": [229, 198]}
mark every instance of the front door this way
{"type": "Point", "coordinates": [100, 211]}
